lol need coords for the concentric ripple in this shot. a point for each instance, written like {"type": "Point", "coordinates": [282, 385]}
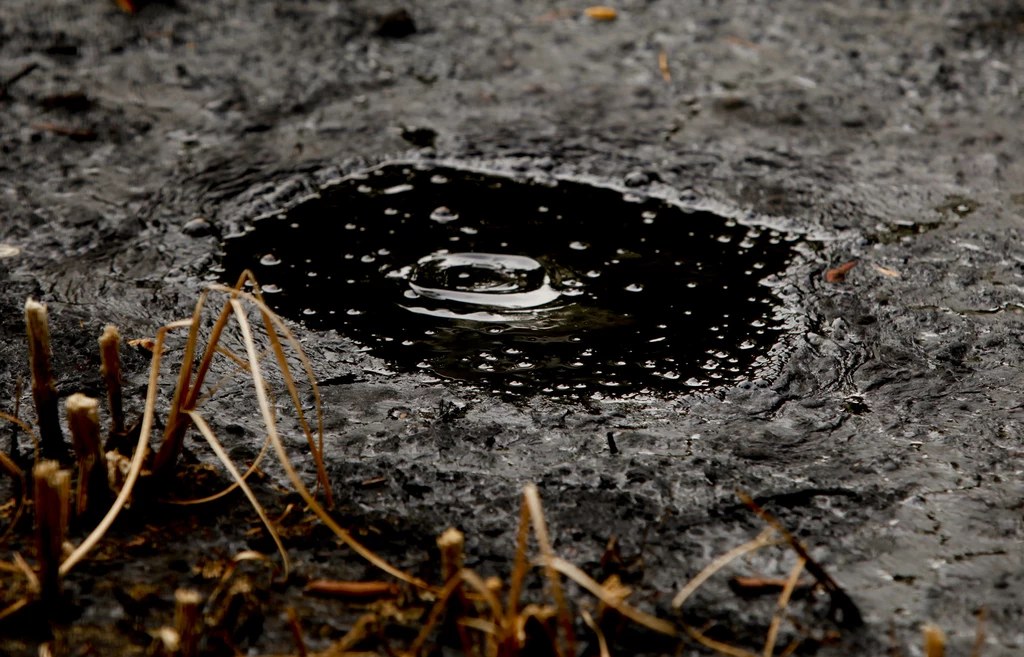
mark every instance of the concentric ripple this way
{"type": "Point", "coordinates": [522, 285]}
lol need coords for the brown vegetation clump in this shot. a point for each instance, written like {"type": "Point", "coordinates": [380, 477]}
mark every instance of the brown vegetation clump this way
{"type": "Point", "coordinates": [484, 617]}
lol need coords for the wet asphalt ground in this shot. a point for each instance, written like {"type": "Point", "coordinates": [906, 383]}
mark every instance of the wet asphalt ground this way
{"type": "Point", "coordinates": [886, 432]}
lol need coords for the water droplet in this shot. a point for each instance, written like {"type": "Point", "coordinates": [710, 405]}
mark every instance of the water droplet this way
{"type": "Point", "coordinates": [747, 344]}
{"type": "Point", "coordinates": [443, 215]}
{"type": "Point", "coordinates": [634, 287]}
{"type": "Point", "coordinates": [390, 212]}
{"type": "Point", "coordinates": [398, 189]}
{"type": "Point", "coordinates": [438, 180]}
{"type": "Point", "coordinates": [364, 189]}
{"type": "Point", "coordinates": [578, 246]}
{"type": "Point", "coordinates": [271, 289]}
{"type": "Point", "coordinates": [308, 311]}
{"type": "Point", "coordinates": [724, 239]}
{"type": "Point", "coordinates": [353, 311]}
{"type": "Point", "coordinates": [350, 226]}
{"type": "Point", "coordinates": [311, 274]}
{"type": "Point", "coordinates": [492, 280]}
{"type": "Point", "coordinates": [367, 258]}
{"type": "Point", "coordinates": [270, 260]}
{"type": "Point", "coordinates": [691, 284]}
{"type": "Point", "coordinates": [593, 273]}
{"type": "Point", "coordinates": [648, 216]}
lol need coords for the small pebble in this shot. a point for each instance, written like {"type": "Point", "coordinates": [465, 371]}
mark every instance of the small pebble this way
{"type": "Point", "coordinates": [197, 227]}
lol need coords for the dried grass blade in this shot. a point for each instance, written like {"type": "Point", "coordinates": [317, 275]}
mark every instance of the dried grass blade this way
{"type": "Point", "coordinates": [478, 583]}
{"type": "Point", "coordinates": [211, 438]}
{"type": "Point", "coordinates": [27, 429]}
{"type": "Point", "coordinates": [838, 597]}
{"type": "Point", "coordinates": [317, 448]}
{"type": "Point", "coordinates": [602, 643]}
{"type": "Point", "coordinates": [216, 496]}
{"type": "Point", "coordinates": [787, 593]}
{"type": "Point", "coordinates": [13, 608]}
{"type": "Point", "coordinates": [610, 599]}
{"type": "Point", "coordinates": [276, 322]}
{"type": "Point", "coordinates": [763, 539]}
{"type": "Point", "coordinates": [174, 432]}
{"type": "Point", "coordinates": [718, 646]}
{"type": "Point", "coordinates": [435, 615]}
{"type": "Point", "coordinates": [224, 379]}
{"type": "Point", "coordinates": [137, 458]}
{"type": "Point", "coordinates": [282, 455]}
{"type": "Point", "coordinates": [531, 498]}
{"type": "Point", "coordinates": [521, 566]}
{"type": "Point", "coordinates": [16, 473]}
{"type": "Point", "coordinates": [232, 356]}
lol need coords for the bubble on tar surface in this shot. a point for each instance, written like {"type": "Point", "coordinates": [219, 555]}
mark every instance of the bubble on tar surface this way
{"type": "Point", "coordinates": [523, 286]}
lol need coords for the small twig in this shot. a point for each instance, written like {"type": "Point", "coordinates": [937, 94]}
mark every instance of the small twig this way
{"type": "Point", "coordinates": [850, 614]}
{"type": "Point", "coordinates": [187, 621]}
{"type": "Point", "coordinates": [787, 592]}
{"type": "Point", "coordinates": [76, 134]}
{"type": "Point", "coordinates": [353, 590]}
{"type": "Point", "coordinates": [763, 539]}
{"type": "Point", "coordinates": [296, 628]}
{"type": "Point", "coordinates": [364, 626]}
{"type": "Point", "coordinates": [8, 465]}
{"type": "Point", "coordinates": [44, 389]}
{"type": "Point", "coordinates": [110, 369]}
{"type": "Point", "coordinates": [838, 274]}
{"type": "Point", "coordinates": [84, 422]}
{"type": "Point", "coordinates": [435, 614]}
{"type": "Point", "coordinates": [52, 487]}
{"type": "Point", "coordinates": [5, 85]}
{"type": "Point", "coordinates": [979, 633]}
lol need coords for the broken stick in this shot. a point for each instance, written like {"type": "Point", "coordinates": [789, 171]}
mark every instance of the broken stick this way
{"type": "Point", "coordinates": [84, 422]}
{"type": "Point", "coordinates": [52, 500]}
{"type": "Point", "coordinates": [44, 390]}
{"type": "Point", "coordinates": [110, 369]}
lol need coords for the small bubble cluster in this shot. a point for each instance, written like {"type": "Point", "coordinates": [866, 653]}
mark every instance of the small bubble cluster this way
{"type": "Point", "coordinates": [523, 286]}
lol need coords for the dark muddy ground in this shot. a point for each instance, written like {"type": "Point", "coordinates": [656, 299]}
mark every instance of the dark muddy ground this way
{"type": "Point", "coordinates": [890, 436]}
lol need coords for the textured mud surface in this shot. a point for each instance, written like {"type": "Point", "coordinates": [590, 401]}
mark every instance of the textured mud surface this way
{"type": "Point", "coordinates": [890, 437]}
